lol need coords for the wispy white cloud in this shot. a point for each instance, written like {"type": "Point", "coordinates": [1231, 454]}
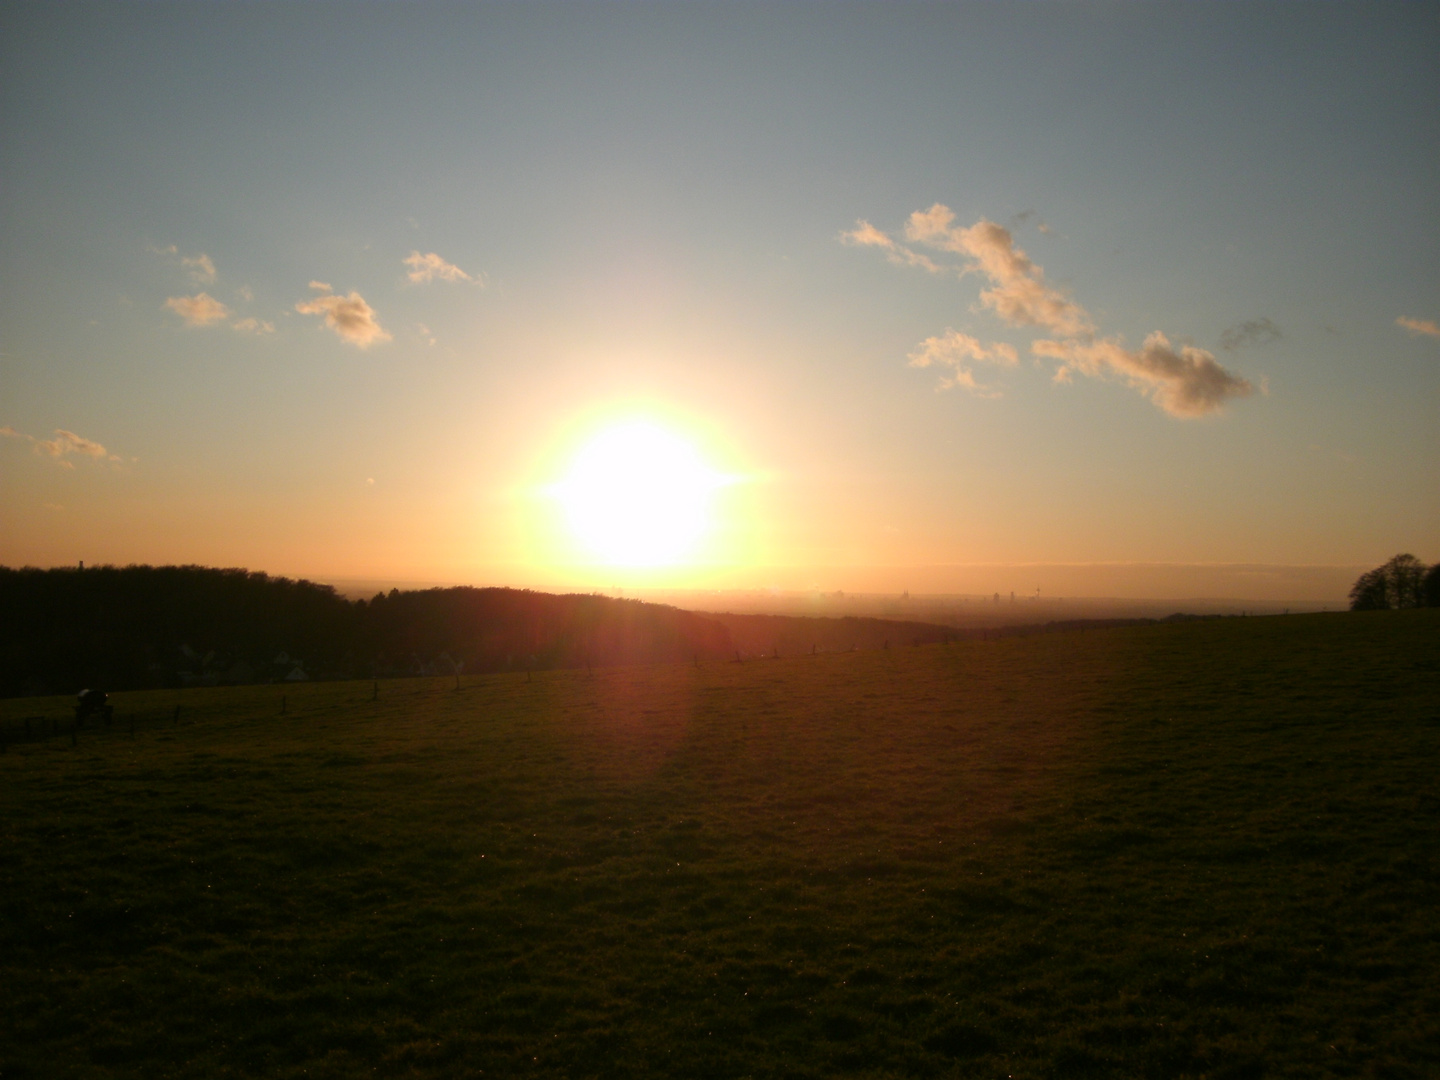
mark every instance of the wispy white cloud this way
{"type": "Point", "coordinates": [201, 268]}
{"type": "Point", "coordinates": [67, 442]}
{"type": "Point", "coordinates": [202, 309]}
{"type": "Point", "coordinates": [252, 325]}
{"type": "Point", "coordinates": [428, 267]}
{"type": "Point", "coordinates": [1419, 327]}
{"type": "Point", "coordinates": [353, 320]}
{"type": "Point", "coordinates": [866, 235]}
{"type": "Point", "coordinates": [959, 352]}
{"type": "Point", "coordinates": [64, 444]}
{"type": "Point", "coordinates": [1183, 381]}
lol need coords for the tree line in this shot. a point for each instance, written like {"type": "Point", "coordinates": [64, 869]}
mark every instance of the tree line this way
{"type": "Point", "coordinates": [1403, 582]}
{"type": "Point", "coordinates": [136, 627]}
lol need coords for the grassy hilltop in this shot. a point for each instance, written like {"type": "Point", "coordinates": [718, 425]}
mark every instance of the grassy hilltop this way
{"type": "Point", "coordinates": [1200, 849]}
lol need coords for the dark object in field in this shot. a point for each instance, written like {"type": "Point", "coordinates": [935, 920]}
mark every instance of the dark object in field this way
{"type": "Point", "coordinates": [92, 703]}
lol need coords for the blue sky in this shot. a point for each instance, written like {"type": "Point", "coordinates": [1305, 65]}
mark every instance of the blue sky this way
{"type": "Point", "coordinates": [650, 203]}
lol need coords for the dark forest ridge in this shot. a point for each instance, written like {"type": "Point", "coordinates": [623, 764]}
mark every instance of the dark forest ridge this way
{"type": "Point", "coordinates": [138, 627]}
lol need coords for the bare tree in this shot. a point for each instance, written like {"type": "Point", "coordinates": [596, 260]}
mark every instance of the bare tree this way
{"type": "Point", "coordinates": [1400, 583]}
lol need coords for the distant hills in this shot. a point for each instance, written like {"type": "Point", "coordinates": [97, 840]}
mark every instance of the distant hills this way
{"type": "Point", "coordinates": [143, 626]}
{"type": "Point", "coordinates": [134, 627]}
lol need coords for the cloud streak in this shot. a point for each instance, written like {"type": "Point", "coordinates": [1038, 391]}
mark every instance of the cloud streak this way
{"type": "Point", "coordinates": [200, 267]}
{"type": "Point", "coordinates": [959, 352]}
{"type": "Point", "coordinates": [866, 235]}
{"type": "Point", "coordinates": [350, 317]}
{"type": "Point", "coordinates": [202, 309]}
{"type": "Point", "coordinates": [64, 444]}
{"type": "Point", "coordinates": [1419, 327]}
{"type": "Point", "coordinates": [1184, 381]}
{"type": "Point", "coordinates": [425, 268]}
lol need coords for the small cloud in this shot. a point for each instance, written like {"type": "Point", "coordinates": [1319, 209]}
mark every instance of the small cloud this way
{"type": "Point", "coordinates": [866, 235]}
{"type": "Point", "coordinates": [958, 352]}
{"type": "Point", "coordinates": [202, 309]}
{"type": "Point", "coordinates": [245, 293]}
{"type": "Point", "coordinates": [369, 481]}
{"type": "Point", "coordinates": [200, 267]}
{"type": "Point", "coordinates": [426, 332]}
{"type": "Point", "coordinates": [1020, 295]}
{"type": "Point", "coordinates": [1185, 382]}
{"type": "Point", "coordinates": [64, 444]}
{"type": "Point", "coordinates": [322, 286]}
{"type": "Point", "coordinates": [425, 268]}
{"type": "Point", "coordinates": [353, 320]}
{"type": "Point", "coordinates": [252, 325]}
{"type": "Point", "coordinates": [67, 442]}
{"type": "Point", "coordinates": [1419, 327]}
{"type": "Point", "coordinates": [1250, 332]}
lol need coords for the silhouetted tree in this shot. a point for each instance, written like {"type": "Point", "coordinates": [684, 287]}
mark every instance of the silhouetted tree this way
{"type": "Point", "coordinates": [1397, 584]}
{"type": "Point", "coordinates": [1430, 587]}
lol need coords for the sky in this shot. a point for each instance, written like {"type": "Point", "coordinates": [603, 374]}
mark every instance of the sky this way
{"type": "Point", "coordinates": [892, 293]}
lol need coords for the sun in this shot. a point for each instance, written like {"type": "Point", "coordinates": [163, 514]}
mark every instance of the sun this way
{"type": "Point", "coordinates": [638, 495]}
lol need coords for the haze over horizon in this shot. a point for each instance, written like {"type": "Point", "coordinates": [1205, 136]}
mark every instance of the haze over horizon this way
{"type": "Point", "coordinates": [1101, 300]}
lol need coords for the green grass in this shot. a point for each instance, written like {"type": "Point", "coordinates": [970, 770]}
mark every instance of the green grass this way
{"type": "Point", "coordinates": [1207, 849]}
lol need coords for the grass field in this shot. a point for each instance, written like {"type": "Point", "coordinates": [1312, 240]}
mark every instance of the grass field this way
{"type": "Point", "coordinates": [1205, 849]}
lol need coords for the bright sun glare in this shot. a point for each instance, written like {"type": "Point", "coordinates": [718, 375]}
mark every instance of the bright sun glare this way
{"type": "Point", "coordinates": [637, 494]}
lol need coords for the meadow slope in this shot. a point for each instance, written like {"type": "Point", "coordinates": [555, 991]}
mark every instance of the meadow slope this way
{"type": "Point", "coordinates": [1203, 849]}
